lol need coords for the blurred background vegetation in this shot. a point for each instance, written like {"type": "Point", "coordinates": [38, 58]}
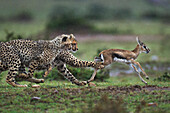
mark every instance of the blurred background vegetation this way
{"type": "Point", "coordinates": [97, 25]}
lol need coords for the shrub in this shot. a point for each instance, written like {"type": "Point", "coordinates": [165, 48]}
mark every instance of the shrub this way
{"type": "Point", "coordinates": [165, 17]}
{"type": "Point", "coordinates": [11, 36]}
{"type": "Point", "coordinates": [22, 16]}
{"type": "Point", "coordinates": [64, 18]}
{"type": "Point", "coordinates": [97, 11]}
{"type": "Point", "coordinates": [164, 78]}
{"type": "Point", "coordinates": [122, 13]}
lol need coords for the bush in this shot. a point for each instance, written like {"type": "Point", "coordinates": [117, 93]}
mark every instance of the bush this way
{"type": "Point", "coordinates": [165, 17]}
{"type": "Point", "coordinates": [22, 16]}
{"type": "Point", "coordinates": [11, 36]}
{"type": "Point", "coordinates": [164, 78]}
{"type": "Point", "coordinates": [97, 11]}
{"type": "Point", "coordinates": [122, 13]}
{"type": "Point", "coordinates": [64, 18]}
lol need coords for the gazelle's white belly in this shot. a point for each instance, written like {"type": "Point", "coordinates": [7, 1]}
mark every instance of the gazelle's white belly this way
{"type": "Point", "coordinates": [121, 60]}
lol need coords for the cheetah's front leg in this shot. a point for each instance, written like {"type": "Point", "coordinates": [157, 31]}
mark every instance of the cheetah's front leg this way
{"type": "Point", "coordinates": [68, 75]}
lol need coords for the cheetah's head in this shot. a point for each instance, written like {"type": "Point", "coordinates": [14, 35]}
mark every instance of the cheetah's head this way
{"type": "Point", "coordinates": [74, 46]}
{"type": "Point", "coordinates": [66, 42]}
{"type": "Point", "coordinates": [69, 42]}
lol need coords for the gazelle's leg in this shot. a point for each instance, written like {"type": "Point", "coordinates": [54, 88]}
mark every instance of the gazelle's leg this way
{"type": "Point", "coordinates": [138, 73]}
{"type": "Point", "coordinates": [138, 64]}
{"type": "Point", "coordinates": [92, 77]}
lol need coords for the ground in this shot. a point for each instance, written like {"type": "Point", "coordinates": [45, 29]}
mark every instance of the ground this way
{"type": "Point", "coordinates": [62, 96]}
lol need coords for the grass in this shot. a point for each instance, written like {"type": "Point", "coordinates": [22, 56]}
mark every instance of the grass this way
{"type": "Point", "coordinates": [24, 29]}
{"type": "Point", "coordinates": [62, 96]}
{"type": "Point", "coordinates": [133, 27]}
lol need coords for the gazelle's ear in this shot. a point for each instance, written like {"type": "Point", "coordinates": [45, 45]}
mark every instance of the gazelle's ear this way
{"type": "Point", "coordinates": [138, 41]}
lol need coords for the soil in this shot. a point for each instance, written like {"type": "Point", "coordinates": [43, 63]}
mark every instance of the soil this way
{"type": "Point", "coordinates": [120, 89]}
{"type": "Point", "coordinates": [97, 36]}
{"type": "Point", "coordinates": [109, 37]}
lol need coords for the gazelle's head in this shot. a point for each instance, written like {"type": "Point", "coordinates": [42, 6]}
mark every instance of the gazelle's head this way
{"type": "Point", "coordinates": [142, 46]}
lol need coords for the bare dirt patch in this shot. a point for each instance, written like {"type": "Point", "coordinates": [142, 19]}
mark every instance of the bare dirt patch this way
{"type": "Point", "coordinates": [109, 37]}
{"type": "Point", "coordinates": [117, 89]}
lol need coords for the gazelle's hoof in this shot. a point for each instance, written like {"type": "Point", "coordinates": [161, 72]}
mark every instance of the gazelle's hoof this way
{"type": "Point", "coordinates": [144, 82]}
{"type": "Point", "coordinates": [147, 77]}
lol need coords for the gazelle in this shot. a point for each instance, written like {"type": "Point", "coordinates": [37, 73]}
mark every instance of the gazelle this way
{"type": "Point", "coordinates": [106, 57]}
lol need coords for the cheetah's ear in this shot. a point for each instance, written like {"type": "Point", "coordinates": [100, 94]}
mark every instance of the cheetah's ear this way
{"type": "Point", "coordinates": [71, 35]}
{"type": "Point", "coordinates": [64, 39]}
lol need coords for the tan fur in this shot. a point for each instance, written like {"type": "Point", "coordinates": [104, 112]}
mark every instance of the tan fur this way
{"type": "Point", "coordinates": [124, 56]}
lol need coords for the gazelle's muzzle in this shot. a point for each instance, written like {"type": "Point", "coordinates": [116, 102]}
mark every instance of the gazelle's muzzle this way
{"type": "Point", "coordinates": [147, 50]}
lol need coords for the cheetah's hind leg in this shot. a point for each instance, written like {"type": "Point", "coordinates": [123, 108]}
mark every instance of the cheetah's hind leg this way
{"type": "Point", "coordinates": [32, 67]}
{"type": "Point", "coordinates": [35, 80]}
{"type": "Point", "coordinates": [11, 76]}
{"type": "Point", "coordinates": [23, 75]}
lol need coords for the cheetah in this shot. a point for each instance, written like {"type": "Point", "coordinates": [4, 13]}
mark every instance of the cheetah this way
{"type": "Point", "coordinates": [36, 54]}
{"type": "Point", "coordinates": [65, 57]}
{"type": "Point", "coordinates": [16, 54]}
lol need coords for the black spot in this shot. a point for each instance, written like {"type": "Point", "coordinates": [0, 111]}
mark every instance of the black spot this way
{"type": "Point", "coordinates": [62, 71]}
{"type": "Point", "coordinates": [61, 66]}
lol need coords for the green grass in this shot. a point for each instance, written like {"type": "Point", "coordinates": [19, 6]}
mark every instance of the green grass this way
{"type": "Point", "coordinates": [136, 27]}
{"type": "Point", "coordinates": [25, 29]}
{"type": "Point", "coordinates": [62, 96]}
